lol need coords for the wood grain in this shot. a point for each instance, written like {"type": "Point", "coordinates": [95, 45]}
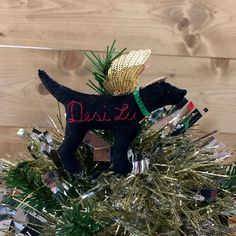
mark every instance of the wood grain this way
{"type": "Point", "coordinates": [12, 147]}
{"type": "Point", "coordinates": [204, 28]}
{"type": "Point", "coordinates": [24, 100]}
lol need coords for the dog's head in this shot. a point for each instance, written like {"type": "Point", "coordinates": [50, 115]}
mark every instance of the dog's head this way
{"type": "Point", "coordinates": [161, 93]}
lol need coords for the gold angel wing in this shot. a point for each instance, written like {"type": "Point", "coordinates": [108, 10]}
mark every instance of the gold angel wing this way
{"type": "Point", "coordinates": [124, 72]}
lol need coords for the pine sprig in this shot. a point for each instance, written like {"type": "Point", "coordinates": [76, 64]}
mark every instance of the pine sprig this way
{"type": "Point", "coordinates": [78, 221]}
{"type": "Point", "coordinates": [230, 184]}
{"type": "Point", "coordinates": [26, 177]}
{"type": "Point", "coordinates": [114, 205]}
{"type": "Point", "coordinates": [100, 66]}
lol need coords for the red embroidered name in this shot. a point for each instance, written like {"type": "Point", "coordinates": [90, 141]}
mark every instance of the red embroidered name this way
{"type": "Point", "coordinates": [77, 114]}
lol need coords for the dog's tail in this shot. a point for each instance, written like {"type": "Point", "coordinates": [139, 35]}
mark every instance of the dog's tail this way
{"type": "Point", "coordinates": [60, 92]}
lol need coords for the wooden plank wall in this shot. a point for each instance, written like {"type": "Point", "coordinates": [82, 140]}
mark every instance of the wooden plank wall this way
{"type": "Point", "coordinates": [192, 42]}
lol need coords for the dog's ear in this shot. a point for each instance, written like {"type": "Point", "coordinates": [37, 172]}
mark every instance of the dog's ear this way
{"type": "Point", "coordinates": [159, 89]}
{"type": "Point", "coordinates": [152, 95]}
{"type": "Point", "coordinates": [172, 95]}
{"type": "Point", "coordinates": [155, 82]}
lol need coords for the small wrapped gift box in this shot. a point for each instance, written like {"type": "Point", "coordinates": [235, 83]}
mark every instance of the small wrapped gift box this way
{"type": "Point", "coordinates": [101, 148]}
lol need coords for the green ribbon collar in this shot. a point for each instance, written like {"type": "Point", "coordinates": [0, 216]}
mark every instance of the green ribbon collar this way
{"type": "Point", "coordinates": [139, 101]}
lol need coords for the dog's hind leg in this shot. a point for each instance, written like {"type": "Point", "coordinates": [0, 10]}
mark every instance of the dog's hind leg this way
{"type": "Point", "coordinates": [119, 156]}
{"type": "Point", "coordinates": [73, 137]}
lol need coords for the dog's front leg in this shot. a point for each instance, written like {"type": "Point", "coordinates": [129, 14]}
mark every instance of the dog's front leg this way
{"type": "Point", "coordinates": [73, 137]}
{"type": "Point", "coordinates": [119, 156]}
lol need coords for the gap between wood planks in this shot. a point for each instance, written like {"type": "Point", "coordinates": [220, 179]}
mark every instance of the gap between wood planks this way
{"type": "Point", "coordinates": [100, 51]}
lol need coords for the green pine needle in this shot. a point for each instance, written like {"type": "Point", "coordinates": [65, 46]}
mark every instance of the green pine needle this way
{"type": "Point", "coordinates": [78, 221]}
{"type": "Point", "coordinates": [100, 67]}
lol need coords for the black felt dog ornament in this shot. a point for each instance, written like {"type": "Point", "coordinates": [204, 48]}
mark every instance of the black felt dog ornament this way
{"type": "Point", "coordinates": [120, 112]}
